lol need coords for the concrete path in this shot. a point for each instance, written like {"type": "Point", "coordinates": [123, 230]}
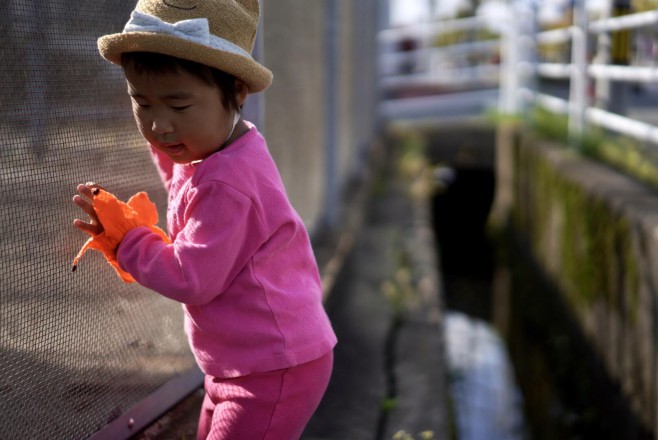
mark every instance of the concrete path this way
{"type": "Point", "coordinates": [385, 307]}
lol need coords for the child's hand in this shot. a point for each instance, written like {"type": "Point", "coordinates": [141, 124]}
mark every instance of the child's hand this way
{"type": "Point", "coordinates": [85, 202]}
{"type": "Point", "coordinates": [119, 218]}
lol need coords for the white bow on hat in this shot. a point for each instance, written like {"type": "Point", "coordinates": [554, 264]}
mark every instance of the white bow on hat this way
{"type": "Point", "coordinates": [195, 30]}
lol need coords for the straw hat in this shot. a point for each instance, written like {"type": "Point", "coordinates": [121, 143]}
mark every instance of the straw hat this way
{"type": "Point", "coordinates": [217, 33]}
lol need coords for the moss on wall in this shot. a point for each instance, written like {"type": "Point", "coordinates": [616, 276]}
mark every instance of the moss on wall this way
{"type": "Point", "coordinates": [583, 242]}
{"type": "Point", "coordinates": [625, 154]}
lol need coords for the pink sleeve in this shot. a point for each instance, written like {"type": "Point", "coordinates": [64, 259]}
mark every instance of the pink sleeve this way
{"type": "Point", "coordinates": [164, 165]}
{"type": "Point", "coordinates": [222, 232]}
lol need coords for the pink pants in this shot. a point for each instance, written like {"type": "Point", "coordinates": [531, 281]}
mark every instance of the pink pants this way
{"type": "Point", "coordinates": [274, 405]}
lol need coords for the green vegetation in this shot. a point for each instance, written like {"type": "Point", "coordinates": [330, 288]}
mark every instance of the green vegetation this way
{"type": "Point", "coordinates": [389, 404]}
{"type": "Point", "coordinates": [413, 167]}
{"type": "Point", "coordinates": [585, 243]}
{"type": "Point", "coordinates": [622, 153]}
{"type": "Point", "coordinates": [644, 5]}
{"type": "Point", "coordinates": [403, 435]}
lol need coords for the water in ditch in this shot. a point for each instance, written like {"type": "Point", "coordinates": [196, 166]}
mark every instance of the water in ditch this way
{"type": "Point", "coordinates": [519, 367]}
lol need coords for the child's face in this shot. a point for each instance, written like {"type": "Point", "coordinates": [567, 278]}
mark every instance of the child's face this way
{"type": "Point", "coordinates": [179, 114]}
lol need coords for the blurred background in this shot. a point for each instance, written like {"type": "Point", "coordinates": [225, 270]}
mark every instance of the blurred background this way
{"type": "Point", "coordinates": [525, 128]}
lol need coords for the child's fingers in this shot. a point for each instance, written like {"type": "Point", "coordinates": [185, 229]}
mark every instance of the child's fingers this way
{"type": "Point", "coordinates": [85, 201]}
{"type": "Point", "coordinates": [89, 228]}
{"type": "Point", "coordinates": [85, 205]}
{"type": "Point", "coordinates": [95, 187]}
{"type": "Point", "coordinates": [86, 190]}
{"type": "Point", "coordinates": [93, 226]}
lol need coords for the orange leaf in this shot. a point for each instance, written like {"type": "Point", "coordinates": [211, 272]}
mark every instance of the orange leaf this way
{"type": "Point", "coordinates": [117, 219]}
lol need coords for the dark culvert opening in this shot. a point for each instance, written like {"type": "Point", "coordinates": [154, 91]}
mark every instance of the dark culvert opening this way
{"type": "Point", "coordinates": [461, 208]}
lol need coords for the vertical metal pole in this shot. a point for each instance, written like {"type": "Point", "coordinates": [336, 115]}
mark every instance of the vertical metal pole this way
{"type": "Point", "coordinates": [384, 19]}
{"type": "Point", "coordinates": [530, 53]}
{"type": "Point", "coordinates": [383, 22]}
{"type": "Point", "coordinates": [523, 17]}
{"type": "Point", "coordinates": [362, 79]}
{"type": "Point", "coordinates": [509, 83]}
{"type": "Point", "coordinates": [254, 107]}
{"type": "Point", "coordinates": [603, 47]}
{"type": "Point", "coordinates": [578, 80]}
{"type": "Point", "coordinates": [331, 204]}
{"type": "Point", "coordinates": [431, 7]}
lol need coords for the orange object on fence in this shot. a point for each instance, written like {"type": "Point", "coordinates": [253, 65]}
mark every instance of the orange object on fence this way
{"type": "Point", "coordinates": [118, 218]}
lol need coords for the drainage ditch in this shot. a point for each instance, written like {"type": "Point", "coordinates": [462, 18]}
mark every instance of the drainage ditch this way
{"type": "Point", "coordinates": [519, 366]}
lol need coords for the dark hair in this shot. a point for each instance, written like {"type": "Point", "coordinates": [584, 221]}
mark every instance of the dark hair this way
{"type": "Point", "coordinates": [159, 64]}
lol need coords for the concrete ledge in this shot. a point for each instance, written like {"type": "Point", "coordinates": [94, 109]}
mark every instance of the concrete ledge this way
{"type": "Point", "coordinates": [594, 232]}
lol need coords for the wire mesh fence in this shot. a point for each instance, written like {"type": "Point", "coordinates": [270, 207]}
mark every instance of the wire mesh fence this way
{"type": "Point", "coordinates": [76, 349]}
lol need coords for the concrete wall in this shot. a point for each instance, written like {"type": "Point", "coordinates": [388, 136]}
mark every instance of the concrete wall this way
{"type": "Point", "coordinates": [294, 111]}
{"type": "Point", "coordinates": [594, 232]}
{"type": "Point", "coordinates": [295, 37]}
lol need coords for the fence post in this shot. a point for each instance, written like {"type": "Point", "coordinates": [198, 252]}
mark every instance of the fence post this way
{"type": "Point", "coordinates": [509, 83]}
{"type": "Point", "coordinates": [254, 108]}
{"type": "Point", "coordinates": [578, 77]}
{"type": "Point", "coordinates": [602, 85]}
{"type": "Point", "coordinates": [528, 54]}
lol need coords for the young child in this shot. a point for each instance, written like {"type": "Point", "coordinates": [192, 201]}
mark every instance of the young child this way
{"type": "Point", "coordinates": [240, 259]}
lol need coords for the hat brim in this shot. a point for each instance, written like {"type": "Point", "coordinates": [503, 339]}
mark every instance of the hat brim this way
{"type": "Point", "coordinates": [255, 76]}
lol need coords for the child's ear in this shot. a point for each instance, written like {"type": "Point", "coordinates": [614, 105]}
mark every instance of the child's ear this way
{"type": "Point", "coordinates": [241, 92]}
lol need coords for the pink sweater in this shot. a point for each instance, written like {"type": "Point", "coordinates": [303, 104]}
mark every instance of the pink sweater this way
{"type": "Point", "coordinates": [240, 262]}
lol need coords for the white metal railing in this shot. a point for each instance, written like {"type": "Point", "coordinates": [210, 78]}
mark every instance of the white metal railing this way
{"type": "Point", "coordinates": [452, 67]}
{"type": "Point", "coordinates": [423, 64]}
{"type": "Point", "coordinates": [630, 127]}
{"type": "Point", "coordinates": [454, 77]}
{"type": "Point", "coordinates": [580, 71]}
{"type": "Point", "coordinates": [623, 73]}
{"type": "Point", "coordinates": [424, 30]}
{"type": "Point", "coordinates": [631, 21]}
{"type": "Point", "coordinates": [554, 36]}
{"type": "Point", "coordinates": [390, 61]}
